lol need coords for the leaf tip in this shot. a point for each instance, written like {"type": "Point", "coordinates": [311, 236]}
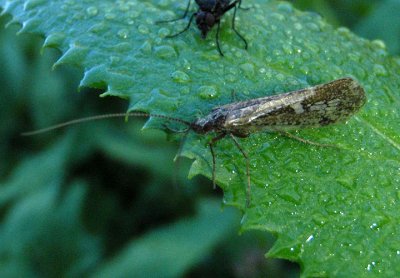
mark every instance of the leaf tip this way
{"type": "Point", "coordinates": [30, 26]}
{"type": "Point", "coordinates": [54, 40]}
{"type": "Point", "coordinates": [74, 55]}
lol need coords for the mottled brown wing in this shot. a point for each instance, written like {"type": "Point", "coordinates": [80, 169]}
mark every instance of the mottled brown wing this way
{"type": "Point", "coordinates": [316, 106]}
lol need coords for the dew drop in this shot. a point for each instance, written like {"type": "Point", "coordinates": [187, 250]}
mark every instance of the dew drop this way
{"type": "Point", "coordinates": [287, 49]}
{"type": "Point", "coordinates": [248, 69]}
{"type": "Point", "coordinates": [165, 52]}
{"type": "Point", "coordinates": [285, 7]}
{"type": "Point", "coordinates": [143, 29]}
{"type": "Point", "coordinates": [123, 47]}
{"type": "Point", "coordinates": [319, 219]}
{"type": "Point", "coordinates": [238, 53]}
{"type": "Point", "coordinates": [298, 26]}
{"type": "Point", "coordinates": [110, 15]}
{"type": "Point", "coordinates": [92, 11]}
{"type": "Point", "coordinates": [180, 77]}
{"type": "Point", "coordinates": [281, 77]}
{"type": "Point", "coordinates": [344, 31]}
{"type": "Point", "coordinates": [207, 92]}
{"type": "Point", "coordinates": [163, 32]}
{"type": "Point", "coordinates": [186, 64]}
{"type": "Point", "coordinates": [310, 238]}
{"type": "Point", "coordinates": [98, 28]}
{"type": "Point", "coordinates": [370, 266]}
{"type": "Point", "coordinates": [378, 44]}
{"type": "Point", "coordinates": [277, 17]}
{"type": "Point", "coordinates": [312, 27]}
{"type": "Point", "coordinates": [130, 21]}
{"type": "Point", "coordinates": [157, 40]}
{"type": "Point", "coordinates": [123, 33]}
{"type": "Point", "coordinates": [133, 14]}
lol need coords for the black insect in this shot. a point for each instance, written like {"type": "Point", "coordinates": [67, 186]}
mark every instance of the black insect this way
{"type": "Point", "coordinates": [209, 14]}
{"type": "Point", "coordinates": [312, 107]}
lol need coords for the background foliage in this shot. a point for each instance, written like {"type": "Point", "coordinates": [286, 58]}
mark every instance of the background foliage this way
{"type": "Point", "coordinates": [89, 198]}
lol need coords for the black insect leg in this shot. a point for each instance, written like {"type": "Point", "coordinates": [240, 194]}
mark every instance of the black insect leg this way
{"type": "Point", "coordinates": [217, 38]}
{"type": "Point", "coordinates": [179, 18]}
{"type": "Point", "coordinates": [240, 6]}
{"type": "Point", "coordinates": [248, 191]}
{"type": "Point", "coordinates": [186, 28]}
{"type": "Point", "coordinates": [233, 26]}
{"type": "Point", "coordinates": [211, 144]}
{"type": "Point", "coordinates": [305, 141]}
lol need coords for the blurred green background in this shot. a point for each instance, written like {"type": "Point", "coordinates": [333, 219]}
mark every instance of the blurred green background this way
{"type": "Point", "coordinates": [100, 198]}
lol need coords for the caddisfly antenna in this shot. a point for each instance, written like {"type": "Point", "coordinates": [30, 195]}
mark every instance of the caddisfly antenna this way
{"type": "Point", "coordinates": [102, 117]}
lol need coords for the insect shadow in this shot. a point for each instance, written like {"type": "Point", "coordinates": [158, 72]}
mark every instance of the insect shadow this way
{"type": "Point", "coordinates": [209, 14]}
{"type": "Point", "coordinates": [317, 106]}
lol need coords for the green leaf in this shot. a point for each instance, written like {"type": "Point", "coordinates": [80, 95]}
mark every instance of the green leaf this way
{"type": "Point", "coordinates": [334, 211]}
{"type": "Point", "coordinates": [170, 251]}
{"type": "Point", "coordinates": [36, 171]}
{"type": "Point", "coordinates": [43, 224]}
{"type": "Point", "coordinates": [383, 23]}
